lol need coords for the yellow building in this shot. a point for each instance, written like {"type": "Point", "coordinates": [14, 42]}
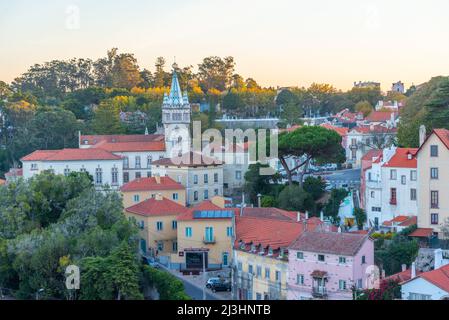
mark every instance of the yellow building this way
{"type": "Point", "coordinates": [260, 253]}
{"type": "Point", "coordinates": [205, 230]}
{"type": "Point", "coordinates": [143, 189]}
{"type": "Point", "coordinates": [157, 221]}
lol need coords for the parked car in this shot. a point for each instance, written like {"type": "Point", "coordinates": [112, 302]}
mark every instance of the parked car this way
{"type": "Point", "coordinates": [211, 282]}
{"type": "Point", "coordinates": [221, 286]}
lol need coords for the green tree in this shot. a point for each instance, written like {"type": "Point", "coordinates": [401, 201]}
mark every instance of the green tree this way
{"type": "Point", "coordinates": [333, 205]}
{"type": "Point", "coordinates": [291, 113]}
{"type": "Point", "coordinates": [216, 73]}
{"type": "Point", "coordinates": [316, 187]}
{"type": "Point", "coordinates": [107, 119]}
{"type": "Point", "coordinates": [437, 115]}
{"type": "Point", "coordinates": [255, 183]}
{"type": "Point", "coordinates": [365, 107]}
{"type": "Point", "coordinates": [391, 255]}
{"type": "Point", "coordinates": [307, 143]}
{"type": "Point", "coordinates": [360, 217]}
{"type": "Point", "coordinates": [168, 286]}
{"type": "Point", "coordinates": [125, 72]}
{"type": "Point", "coordinates": [294, 198]}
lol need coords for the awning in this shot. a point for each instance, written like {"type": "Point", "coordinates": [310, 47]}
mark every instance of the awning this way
{"type": "Point", "coordinates": [319, 274]}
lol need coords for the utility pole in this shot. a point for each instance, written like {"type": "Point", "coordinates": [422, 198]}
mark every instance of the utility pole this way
{"type": "Point", "coordinates": [204, 275]}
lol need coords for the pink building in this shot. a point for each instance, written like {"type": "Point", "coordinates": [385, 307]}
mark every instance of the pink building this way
{"type": "Point", "coordinates": [327, 265]}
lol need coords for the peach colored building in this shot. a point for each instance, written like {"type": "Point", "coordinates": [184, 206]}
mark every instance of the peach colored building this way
{"type": "Point", "coordinates": [143, 189]}
{"type": "Point", "coordinates": [326, 265]}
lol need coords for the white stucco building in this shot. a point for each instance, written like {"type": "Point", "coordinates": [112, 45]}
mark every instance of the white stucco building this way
{"type": "Point", "coordinates": [105, 167]}
{"type": "Point", "coordinates": [391, 186]}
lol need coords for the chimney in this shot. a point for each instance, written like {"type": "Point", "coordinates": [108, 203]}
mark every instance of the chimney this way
{"type": "Point", "coordinates": [158, 179]}
{"type": "Point", "coordinates": [422, 135]}
{"type": "Point", "coordinates": [409, 156]}
{"type": "Point", "coordinates": [259, 200]}
{"type": "Point", "coordinates": [307, 215]}
{"type": "Point", "coordinates": [159, 197]}
{"type": "Point", "coordinates": [404, 267]}
{"type": "Point", "coordinates": [413, 270]}
{"type": "Point", "coordinates": [438, 259]}
{"type": "Point", "coordinates": [339, 229]}
{"type": "Point", "coordinates": [322, 216]}
{"type": "Point", "coordinates": [298, 219]}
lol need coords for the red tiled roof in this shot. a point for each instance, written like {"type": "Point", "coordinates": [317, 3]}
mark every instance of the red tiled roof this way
{"type": "Point", "coordinates": [190, 159]}
{"type": "Point", "coordinates": [438, 277]}
{"type": "Point", "coordinates": [443, 134]}
{"type": "Point", "coordinates": [380, 116]}
{"type": "Point", "coordinates": [422, 233]}
{"type": "Point", "coordinates": [268, 232]}
{"type": "Point", "coordinates": [373, 153]}
{"type": "Point", "coordinates": [403, 221]}
{"type": "Point", "coordinates": [365, 129]}
{"type": "Point", "coordinates": [272, 213]}
{"type": "Point", "coordinates": [70, 155]}
{"type": "Point", "coordinates": [340, 130]}
{"type": "Point", "coordinates": [346, 244]}
{"type": "Point", "coordinates": [14, 172]}
{"type": "Point", "coordinates": [402, 276]}
{"type": "Point", "coordinates": [95, 139]}
{"type": "Point", "coordinates": [131, 146]}
{"type": "Point", "coordinates": [410, 222]}
{"type": "Point", "coordinates": [147, 184]}
{"type": "Point", "coordinates": [400, 159]}
{"type": "Point", "coordinates": [365, 232]}
{"type": "Point", "coordinates": [154, 207]}
{"type": "Point", "coordinates": [204, 206]}
{"type": "Point", "coordinates": [291, 129]}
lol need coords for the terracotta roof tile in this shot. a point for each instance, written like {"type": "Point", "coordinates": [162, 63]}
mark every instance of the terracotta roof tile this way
{"type": "Point", "coordinates": [401, 160]}
{"type": "Point", "coordinates": [373, 153]}
{"type": "Point", "coordinates": [148, 184]}
{"type": "Point", "coordinates": [422, 233]}
{"type": "Point", "coordinates": [347, 244]}
{"type": "Point", "coordinates": [438, 277]}
{"type": "Point", "coordinates": [272, 213]}
{"type": "Point", "coordinates": [190, 159]}
{"type": "Point", "coordinates": [70, 155]}
{"type": "Point", "coordinates": [154, 207]}
{"type": "Point", "coordinates": [380, 116]}
{"type": "Point", "coordinates": [340, 130]}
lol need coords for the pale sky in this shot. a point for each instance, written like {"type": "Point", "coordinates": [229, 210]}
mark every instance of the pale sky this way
{"type": "Point", "coordinates": [282, 42]}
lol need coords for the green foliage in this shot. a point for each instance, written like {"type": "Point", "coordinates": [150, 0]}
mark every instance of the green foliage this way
{"type": "Point", "coordinates": [415, 112]}
{"type": "Point", "coordinates": [392, 254]}
{"type": "Point", "coordinates": [168, 286]}
{"type": "Point", "coordinates": [113, 277]}
{"type": "Point", "coordinates": [311, 143]}
{"type": "Point", "coordinates": [365, 107]}
{"type": "Point", "coordinates": [268, 201]}
{"type": "Point", "coordinates": [255, 183]}
{"type": "Point", "coordinates": [316, 186]}
{"type": "Point", "coordinates": [388, 290]}
{"type": "Point", "coordinates": [333, 205]}
{"type": "Point", "coordinates": [294, 198]}
{"type": "Point", "coordinates": [52, 221]}
{"type": "Point", "coordinates": [360, 217]}
{"type": "Point", "coordinates": [107, 119]}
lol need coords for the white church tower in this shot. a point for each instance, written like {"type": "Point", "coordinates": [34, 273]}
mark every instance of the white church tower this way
{"type": "Point", "coordinates": [176, 113]}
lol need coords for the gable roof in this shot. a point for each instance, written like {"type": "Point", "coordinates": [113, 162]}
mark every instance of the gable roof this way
{"type": "Point", "coordinates": [70, 155]}
{"type": "Point", "coordinates": [125, 143]}
{"type": "Point", "coordinates": [189, 159]}
{"type": "Point", "coordinates": [402, 221]}
{"type": "Point", "coordinates": [340, 130]}
{"type": "Point", "coordinates": [155, 207]}
{"type": "Point", "coordinates": [148, 184]}
{"type": "Point", "coordinates": [422, 233]}
{"type": "Point", "coordinates": [400, 159]}
{"type": "Point", "coordinates": [346, 244]}
{"type": "Point", "coordinates": [119, 138]}
{"type": "Point", "coordinates": [373, 153]}
{"type": "Point", "coordinates": [380, 116]}
{"type": "Point", "coordinates": [438, 277]}
{"type": "Point", "coordinates": [272, 213]}
{"type": "Point", "coordinates": [442, 134]}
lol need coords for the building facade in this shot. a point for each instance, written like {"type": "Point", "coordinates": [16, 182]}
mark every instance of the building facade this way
{"type": "Point", "coordinates": [143, 189]}
{"type": "Point", "coordinates": [105, 168]}
{"type": "Point", "coordinates": [326, 265]}
{"type": "Point", "coordinates": [433, 199]}
{"type": "Point", "coordinates": [391, 188]}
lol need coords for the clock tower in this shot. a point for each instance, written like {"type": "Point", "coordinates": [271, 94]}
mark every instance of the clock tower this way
{"type": "Point", "coordinates": [176, 113]}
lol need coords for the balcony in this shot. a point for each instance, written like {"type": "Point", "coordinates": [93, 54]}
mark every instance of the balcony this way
{"type": "Point", "coordinates": [209, 240]}
{"type": "Point", "coordinates": [319, 292]}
